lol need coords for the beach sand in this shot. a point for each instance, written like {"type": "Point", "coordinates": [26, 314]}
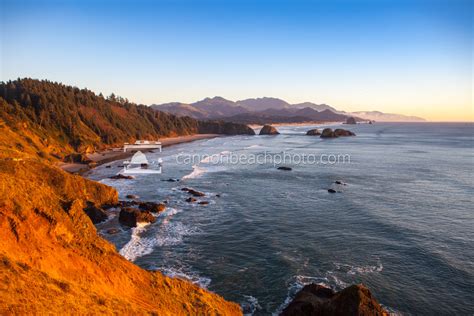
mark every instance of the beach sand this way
{"type": "Point", "coordinates": [113, 154]}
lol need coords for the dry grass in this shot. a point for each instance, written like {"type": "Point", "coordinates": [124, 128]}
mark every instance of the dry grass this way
{"type": "Point", "coordinates": [53, 262]}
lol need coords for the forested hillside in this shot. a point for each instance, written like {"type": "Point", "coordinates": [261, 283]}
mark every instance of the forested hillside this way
{"type": "Point", "coordinates": [51, 119]}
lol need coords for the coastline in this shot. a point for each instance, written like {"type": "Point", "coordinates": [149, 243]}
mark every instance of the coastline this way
{"type": "Point", "coordinates": [256, 126]}
{"type": "Point", "coordinates": [113, 154]}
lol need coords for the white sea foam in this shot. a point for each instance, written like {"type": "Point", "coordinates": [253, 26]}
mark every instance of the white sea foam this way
{"type": "Point", "coordinates": [192, 276]}
{"type": "Point", "coordinates": [253, 146]}
{"type": "Point", "coordinates": [250, 305]}
{"type": "Point", "coordinates": [136, 247]}
{"type": "Point", "coordinates": [168, 233]}
{"type": "Point", "coordinates": [197, 172]}
{"type": "Point", "coordinates": [353, 270]}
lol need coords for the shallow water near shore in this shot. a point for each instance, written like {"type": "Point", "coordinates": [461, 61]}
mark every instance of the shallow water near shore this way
{"type": "Point", "coordinates": [403, 224]}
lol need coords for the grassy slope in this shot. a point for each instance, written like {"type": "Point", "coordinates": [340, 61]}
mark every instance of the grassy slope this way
{"type": "Point", "coordinates": [53, 261]}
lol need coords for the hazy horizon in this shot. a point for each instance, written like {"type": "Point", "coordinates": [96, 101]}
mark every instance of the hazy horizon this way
{"type": "Point", "coordinates": [406, 57]}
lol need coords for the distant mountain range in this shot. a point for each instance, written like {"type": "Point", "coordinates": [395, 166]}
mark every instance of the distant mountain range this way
{"type": "Point", "coordinates": [272, 110]}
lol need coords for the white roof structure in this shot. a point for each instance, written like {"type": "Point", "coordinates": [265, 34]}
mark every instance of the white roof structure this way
{"type": "Point", "coordinates": [139, 158]}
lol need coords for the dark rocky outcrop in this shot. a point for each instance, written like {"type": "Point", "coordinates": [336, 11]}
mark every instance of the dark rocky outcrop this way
{"type": "Point", "coordinates": [96, 214]}
{"type": "Point", "coordinates": [268, 130]}
{"type": "Point", "coordinates": [131, 216]}
{"type": "Point", "coordinates": [121, 176]}
{"type": "Point", "coordinates": [315, 299]}
{"type": "Point", "coordinates": [332, 191]}
{"type": "Point", "coordinates": [343, 132]}
{"type": "Point", "coordinates": [203, 203]}
{"type": "Point", "coordinates": [339, 132]}
{"type": "Point", "coordinates": [285, 168]}
{"type": "Point", "coordinates": [191, 200]}
{"type": "Point", "coordinates": [313, 132]}
{"type": "Point", "coordinates": [132, 196]}
{"type": "Point", "coordinates": [152, 207]}
{"type": "Point", "coordinates": [351, 120]}
{"type": "Point", "coordinates": [195, 193]}
{"type": "Point", "coordinates": [113, 231]}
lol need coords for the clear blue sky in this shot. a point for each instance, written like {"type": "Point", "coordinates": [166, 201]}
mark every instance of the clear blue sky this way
{"type": "Point", "coordinates": [411, 57]}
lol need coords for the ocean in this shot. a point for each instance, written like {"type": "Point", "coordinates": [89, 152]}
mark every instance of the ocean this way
{"type": "Point", "coordinates": [401, 221]}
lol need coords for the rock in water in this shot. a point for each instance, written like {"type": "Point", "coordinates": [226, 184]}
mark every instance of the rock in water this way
{"type": "Point", "coordinates": [339, 132]}
{"type": "Point", "coordinates": [313, 132]}
{"type": "Point", "coordinates": [113, 231]}
{"type": "Point", "coordinates": [95, 213]}
{"type": "Point", "coordinates": [328, 133]}
{"type": "Point", "coordinates": [191, 200]}
{"type": "Point", "coordinates": [152, 207]}
{"type": "Point", "coordinates": [343, 132]}
{"type": "Point", "coordinates": [332, 191]}
{"type": "Point", "coordinates": [268, 130]}
{"type": "Point", "coordinates": [132, 196]}
{"type": "Point", "coordinates": [131, 216]}
{"type": "Point", "coordinates": [284, 168]}
{"type": "Point", "coordinates": [203, 203]}
{"type": "Point", "coordinates": [315, 299]}
{"type": "Point", "coordinates": [351, 120]}
{"type": "Point", "coordinates": [196, 193]}
{"type": "Point", "coordinates": [120, 176]}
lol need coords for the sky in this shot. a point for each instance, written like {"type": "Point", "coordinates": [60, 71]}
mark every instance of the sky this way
{"type": "Point", "coordinates": [412, 57]}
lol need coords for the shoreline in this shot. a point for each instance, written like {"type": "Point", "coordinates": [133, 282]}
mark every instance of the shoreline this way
{"type": "Point", "coordinates": [113, 154]}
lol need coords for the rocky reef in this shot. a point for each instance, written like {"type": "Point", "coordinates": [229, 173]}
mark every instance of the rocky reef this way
{"type": "Point", "coordinates": [268, 130]}
{"type": "Point", "coordinates": [317, 300]}
{"type": "Point", "coordinates": [52, 260]}
{"type": "Point", "coordinates": [339, 132]}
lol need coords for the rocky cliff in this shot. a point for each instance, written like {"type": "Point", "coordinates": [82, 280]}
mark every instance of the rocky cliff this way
{"type": "Point", "coordinates": [317, 300]}
{"type": "Point", "coordinates": [52, 260]}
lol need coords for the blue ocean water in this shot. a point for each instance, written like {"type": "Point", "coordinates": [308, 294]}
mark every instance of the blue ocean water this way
{"type": "Point", "coordinates": [403, 225]}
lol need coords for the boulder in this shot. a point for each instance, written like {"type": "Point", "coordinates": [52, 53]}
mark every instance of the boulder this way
{"type": "Point", "coordinates": [284, 168]}
{"type": "Point", "coordinates": [120, 176]}
{"type": "Point", "coordinates": [152, 207]}
{"type": "Point", "coordinates": [328, 133]}
{"type": "Point", "coordinates": [315, 299]}
{"type": "Point", "coordinates": [339, 132]}
{"type": "Point", "coordinates": [96, 214]}
{"type": "Point", "coordinates": [113, 231]}
{"type": "Point", "coordinates": [332, 191]}
{"type": "Point", "coordinates": [170, 180]}
{"type": "Point", "coordinates": [191, 200]}
{"type": "Point", "coordinates": [313, 132]}
{"type": "Point", "coordinates": [196, 193]}
{"type": "Point", "coordinates": [351, 120]}
{"type": "Point", "coordinates": [131, 196]}
{"type": "Point", "coordinates": [343, 132]}
{"type": "Point", "coordinates": [203, 203]}
{"type": "Point", "coordinates": [131, 216]}
{"type": "Point", "coordinates": [268, 130]}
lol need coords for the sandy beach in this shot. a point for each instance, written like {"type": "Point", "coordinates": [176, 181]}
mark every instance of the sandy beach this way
{"type": "Point", "coordinates": [113, 154]}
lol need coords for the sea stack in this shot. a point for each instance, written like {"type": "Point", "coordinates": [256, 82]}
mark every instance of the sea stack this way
{"type": "Point", "coordinates": [313, 132]}
{"type": "Point", "coordinates": [268, 130]}
{"type": "Point", "coordinates": [315, 299]}
{"type": "Point", "coordinates": [339, 132]}
{"type": "Point", "coordinates": [351, 120]}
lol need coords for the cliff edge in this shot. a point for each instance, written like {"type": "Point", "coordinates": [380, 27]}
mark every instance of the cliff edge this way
{"type": "Point", "coordinates": [52, 260]}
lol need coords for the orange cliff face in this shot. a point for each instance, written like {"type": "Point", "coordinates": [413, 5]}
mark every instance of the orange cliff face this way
{"type": "Point", "coordinates": [53, 261]}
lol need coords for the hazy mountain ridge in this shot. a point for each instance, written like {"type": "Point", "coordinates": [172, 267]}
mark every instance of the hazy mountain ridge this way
{"type": "Point", "coordinates": [387, 117]}
{"type": "Point", "coordinates": [272, 110]}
